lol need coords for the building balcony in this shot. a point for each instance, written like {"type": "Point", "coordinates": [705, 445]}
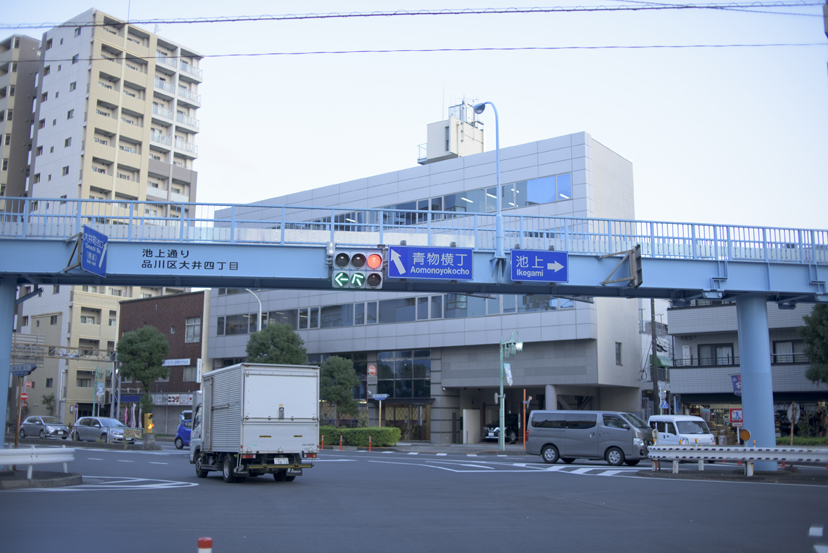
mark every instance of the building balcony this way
{"type": "Point", "coordinates": [188, 70]}
{"type": "Point", "coordinates": [190, 97]}
{"type": "Point", "coordinates": [186, 147]}
{"type": "Point", "coordinates": [159, 138]}
{"type": "Point", "coordinates": [161, 112]}
{"type": "Point", "coordinates": [179, 197]}
{"type": "Point", "coordinates": [710, 362]}
{"type": "Point", "coordinates": [188, 121]}
{"type": "Point", "coordinates": [156, 193]}
{"type": "Point", "coordinates": [165, 88]}
{"type": "Point", "coordinates": [168, 61]}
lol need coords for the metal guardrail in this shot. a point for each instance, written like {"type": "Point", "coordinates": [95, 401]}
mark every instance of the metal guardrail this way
{"type": "Point", "coordinates": [747, 455]}
{"type": "Point", "coordinates": [37, 456]}
{"type": "Point", "coordinates": [60, 218]}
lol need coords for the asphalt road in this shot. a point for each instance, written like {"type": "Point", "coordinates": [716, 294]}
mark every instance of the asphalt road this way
{"type": "Point", "coordinates": [398, 502]}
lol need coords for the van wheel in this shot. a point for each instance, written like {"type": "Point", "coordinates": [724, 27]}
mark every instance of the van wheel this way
{"type": "Point", "coordinates": [179, 443]}
{"type": "Point", "coordinates": [615, 457]}
{"type": "Point", "coordinates": [550, 454]}
{"type": "Point", "coordinates": [633, 462]}
{"type": "Point", "coordinates": [227, 469]}
{"type": "Point", "coordinates": [567, 460]}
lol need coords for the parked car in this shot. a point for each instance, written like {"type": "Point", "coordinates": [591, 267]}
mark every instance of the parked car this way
{"type": "Point", "coordinates": [182, 437]}
{"type": "Point", "coordinates": [104, 429]}
{"type": "Point", "coordinates": [510, 424]}
{"type": "Point", "coordinates": [44, 427]}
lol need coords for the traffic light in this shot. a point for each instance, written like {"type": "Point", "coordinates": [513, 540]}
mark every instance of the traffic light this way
{"type": "Point", "coordinates": [357, 268]}
{"type": "Point", "coordinates": [148, 424]}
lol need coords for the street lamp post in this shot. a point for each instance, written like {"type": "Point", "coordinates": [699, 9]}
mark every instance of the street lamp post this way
{"type": "Point", "coordinates": [499, 232]}
{"type": "Point", "coordinates": [259, 320]}
{"type": "Point", "coordinates": [507, 347]}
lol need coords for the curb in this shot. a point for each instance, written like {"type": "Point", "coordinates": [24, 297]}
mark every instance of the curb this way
{"type": "Point", "coordinates": [15, 480]}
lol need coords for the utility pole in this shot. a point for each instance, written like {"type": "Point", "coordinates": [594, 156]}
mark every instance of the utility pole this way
{"type": "Point", "coordinates": [653, 358]}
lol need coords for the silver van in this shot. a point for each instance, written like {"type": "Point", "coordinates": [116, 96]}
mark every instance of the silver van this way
{"type": "Point", "coordinates": [613, 436]}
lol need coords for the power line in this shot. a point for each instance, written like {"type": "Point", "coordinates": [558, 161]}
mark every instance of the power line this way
{"type": "Point", "coordinates": [479, 49]}
{"type": "Point", "coordinates": [643, 6]}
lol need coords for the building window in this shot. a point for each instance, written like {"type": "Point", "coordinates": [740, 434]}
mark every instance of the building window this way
{"type": "Point", "coordinates": [53, 320]}
{"type": "Point", "coordinates": [84, 382]}
{"type": "Point", "coordinates": [67, 142]}
{"type": "Point", "coordinates": [70, 114]}
{"type": "Point", "coordinates": [77, 31]}
{"type": "Point", "coordinates": [75, 58]}
{"type": "Point", "coordinates": [48, 44]}
{"type": "Point", "coordinates": [56, 289]}
{"type": "Point", "coordinates": [404, 374]}
{"type": "Point", "coordinates": [46, 70]}
{"type": "Point", "coordinates": [715, 355]}
{"type": "Point", "coordinates": [41, 124]}
{"type": "Point", "coordinates": [618, 353]}
{"type": "Point", "coordinates": [73, 85]}
{"type": "Point", "coordinates": [44, 97]}
{"type": "Point", "coordinates": [193, 333]}
{"type": "Point", "coordinates": [789, 351]}
{"type": "Point", "coordinates": [189, 374]}
{"type": "Point", "coordinates": [50, 382]}
{"type": "Point", "coordinates": [172, 330]}
{"type": "Point", "coordinates": [25, 321]}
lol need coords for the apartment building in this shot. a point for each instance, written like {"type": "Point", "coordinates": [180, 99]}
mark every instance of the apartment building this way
{"type": "Point", "coordinates": [436, 355]}
{"type": "Point", "coordinates": [706, 375]}
{"type": "Point", "coordinates": [115, 119]}
{"type": "Point", "coordinates": [19, 56]}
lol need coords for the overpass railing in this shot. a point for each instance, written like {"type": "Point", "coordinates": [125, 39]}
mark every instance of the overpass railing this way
{"type": "Point", "coordinates": [47, 219]}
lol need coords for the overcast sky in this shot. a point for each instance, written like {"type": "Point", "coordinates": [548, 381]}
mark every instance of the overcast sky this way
{"type": "Point", "coordinates": [718, 135]}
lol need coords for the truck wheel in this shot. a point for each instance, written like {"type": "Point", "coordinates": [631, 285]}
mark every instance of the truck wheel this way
{"type": "Point", "coordinates": [200, 472]}
{"type": "Point", "coordinates": [227, 469]}
{"type": "Point", "coordinates": [290, 478]}
{"type": "Point", "coordinates": [550, 454]}
{"type": "Point", "coordinates": [280, 476]}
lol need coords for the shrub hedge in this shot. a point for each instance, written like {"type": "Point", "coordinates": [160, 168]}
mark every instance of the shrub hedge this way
{"type": "Point", "coordinates": [380, 437]}
{"type": "Point", "coordinates": [786, 441]}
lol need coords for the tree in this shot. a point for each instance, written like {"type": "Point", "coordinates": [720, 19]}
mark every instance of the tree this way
{"type": "Point", "coordinates": [277, 344]}
{"type": "Point", "coordinates": [336, 385]}
{"type": "Point", "coordinates": [49, 402]}
{"type": "Point", "coordinates": [815, 335]}
{"type": "Point", "coordinates": [141, 354]}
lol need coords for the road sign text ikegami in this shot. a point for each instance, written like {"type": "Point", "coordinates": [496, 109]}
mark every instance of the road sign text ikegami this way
{"type": "Point", "coordinates": [540, 265]}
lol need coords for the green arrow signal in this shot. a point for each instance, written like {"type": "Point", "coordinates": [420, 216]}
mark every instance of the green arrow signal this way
{"type": "Point", "coordinates": [357, 280]}
{"type": "Point", "coordinates": [341, 279]}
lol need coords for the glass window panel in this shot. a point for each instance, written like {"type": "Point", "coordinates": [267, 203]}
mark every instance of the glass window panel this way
{"type": "Point", "coordinates": [537, 302]}
{"type": "Point", "coordinates": [473, 201]}
{"type": "Point", "coordinates": [422, 388]}
{"type": "Point", "coordinates": [403, 369]}
{"type": "Point", "coordinates": [303, 318]}
{"type": "Point", "coordinates": [337, 315]}
{"type": "Point", "coordinates": [360, 356]}
{"type": "Point", "coordinates": [566, 304]}
{"type": "Point", "coordinates": [402, 388]}
{"type": "Point", "coordinates": [385, 355]}
{"type": "Point", "coordinates": [220, 326]}
{"type": "Point", "coordinates": [422, 309]}
{"type": "Point", "coordinates": [459, 306]}
{"type": "Point", "coordinates": [491, 199]}
{"type": "Point", "coordinates": [422, 368]}
{"type": "Point", "coordinates": [493, 306]}
{"type": "Point", "coordinates": [509, 303]}
{"type": "Point", "coordinates": [361, 369]}
{"type": "Point", "coordinates": [565, 187]}
{"type": "Point", "coordinates": [436, 205]}
{"type": "Point", "coordinates": [385, 387]}
{"type": "Point", "coordinates": [420, 353]}
{"type": "Point", "coordinates": [359, 314]}
{"type": "Point", "coordinates": [314, 317]}
{"type": "Point", "coordinates": [404, 354]}
{"type": "Point", "coordinates": [396, 311]}
{"type": "Point", "coordinates": [436, 307]}
{"type": "Point", "coordinates": [385, 370]}
{"type": "Point", "coordinates": [535, 191]}
{"type": "Point", "coordinates": [236, 324]}
{"type": "Point", "coordinates": [372, 312]}
{"type": "Point", "coordinates": [508, 200]}
{"type": "Point", "coordinates": [288, 317]}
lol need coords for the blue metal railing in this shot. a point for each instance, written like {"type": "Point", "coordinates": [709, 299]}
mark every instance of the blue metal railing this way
{"type": "Point", "coordinates": [42, 219]}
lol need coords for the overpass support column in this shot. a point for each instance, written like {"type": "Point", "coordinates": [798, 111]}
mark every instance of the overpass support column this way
{"type": "Point", "coordinates": [551, 398]}
{"type": "Point", "coordinates": [757, 384]}
{"type": "Point", "coordinates": [8, 288]}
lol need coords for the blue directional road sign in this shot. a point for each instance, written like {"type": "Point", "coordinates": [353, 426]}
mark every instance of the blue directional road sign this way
{"type": "Point", "coordinates": [540, 266]}
{"type": "Point", "coordinates": [430, 263]}
{"type": "Point", "coordinates": [93, 251]}
{"type": "Point", "coordinates": [380, 397]}
{"type": "Point", "coordinates": [22, 370]}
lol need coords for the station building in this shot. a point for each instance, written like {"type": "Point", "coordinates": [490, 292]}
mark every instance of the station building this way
{"type": "Point", "coordinates": [437, 355]}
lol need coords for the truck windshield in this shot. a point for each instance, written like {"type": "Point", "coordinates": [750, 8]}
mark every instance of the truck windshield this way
{"type": "Point", "coordinates": [692, 427]}
{"type": "Point", "coordinates": [635, 420]}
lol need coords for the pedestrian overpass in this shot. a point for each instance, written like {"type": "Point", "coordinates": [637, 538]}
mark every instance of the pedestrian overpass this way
{"type": "Point", "coordinates": [289, 247]}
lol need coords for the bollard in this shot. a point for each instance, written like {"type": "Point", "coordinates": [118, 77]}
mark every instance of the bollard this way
{"type": "Point", "coordinates": [340, 442]}
{"type": "Point", "coordinates": [369, 442]}
{"type": "Point", "coordinates": [323, 442]}
{"type": "Point", "coordinates": [205, 545]}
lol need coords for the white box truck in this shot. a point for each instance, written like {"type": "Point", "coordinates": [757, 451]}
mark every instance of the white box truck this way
{"type": "Point", "coordinates": [250, 419]}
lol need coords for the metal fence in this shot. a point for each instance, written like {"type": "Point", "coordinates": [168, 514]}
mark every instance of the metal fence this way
{"type": "Point", "coordinates": [29, 218]}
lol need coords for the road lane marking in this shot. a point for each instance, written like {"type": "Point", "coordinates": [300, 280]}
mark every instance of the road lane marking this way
{"type": "Point", "coordinates": [156, 463]}
{"type": "Point", "coordinates": [442, 454]}
{"type": "Point", "coordinates": [125, 461]}
{"type": "Point", "coordinates": [815, 531]}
